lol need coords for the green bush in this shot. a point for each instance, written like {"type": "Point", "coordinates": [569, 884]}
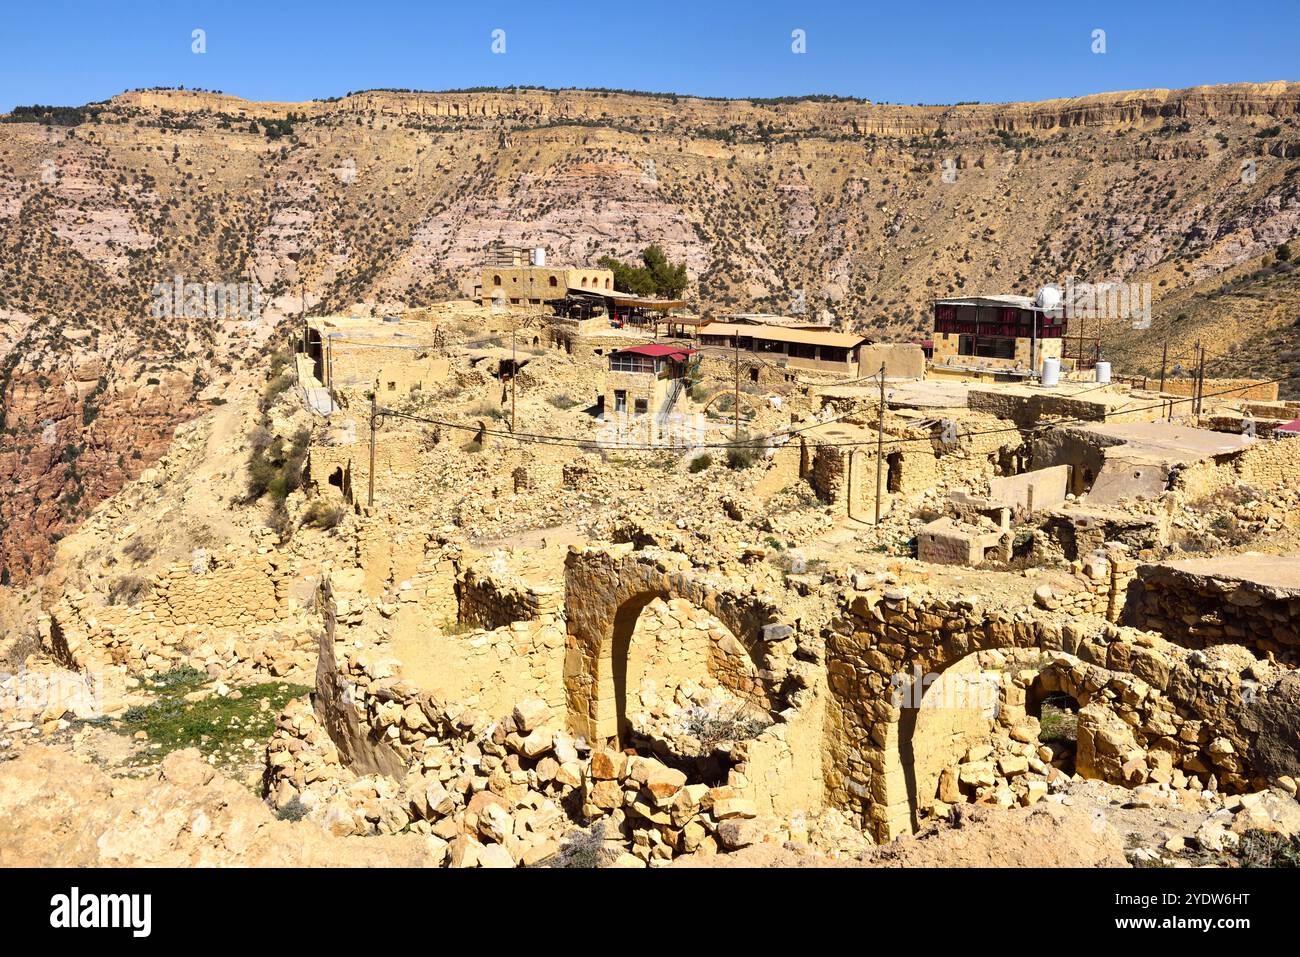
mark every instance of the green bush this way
{"type": "Point", "coordinates": [323, 515]}
{"type": "Point", "coordinates": [740, 456]}
{"type": "Point", "coordinates": [277, 468]}
{"type": "Point", "coordinates": [275, 386]}
{"type": "Point", "coordinates": [700, 463]}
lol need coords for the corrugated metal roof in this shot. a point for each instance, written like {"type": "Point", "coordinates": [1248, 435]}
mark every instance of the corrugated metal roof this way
{"type": "Point", "coordinates": [656, 350]}
{"type": "Point", "coordinates": [841, 340]}
{"type": "Point", "coordinates": [1020, 302]}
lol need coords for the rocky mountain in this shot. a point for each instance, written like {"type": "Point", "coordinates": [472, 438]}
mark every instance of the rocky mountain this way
{"type": "Point", "coordinates": [842, 208]}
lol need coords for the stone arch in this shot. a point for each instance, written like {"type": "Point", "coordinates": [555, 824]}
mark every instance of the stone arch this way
{"type": "Point", "coordinates": [606, 590]}
{"type": "Point", "coordinates": [877, 669]}
{"type": "Point", "coordinates": [724, 393]}
{"type": "Point", "coordinates": [956, 710]}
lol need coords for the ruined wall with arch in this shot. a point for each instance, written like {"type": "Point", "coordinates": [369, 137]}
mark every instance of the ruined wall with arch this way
{"type": "Point", "coordinates": [1151, 709]}
{"type": "Point", "coordinates": [606, 590]}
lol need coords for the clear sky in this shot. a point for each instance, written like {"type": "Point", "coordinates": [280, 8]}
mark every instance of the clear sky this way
{"type": "Point", "coordinates": [922, 51]}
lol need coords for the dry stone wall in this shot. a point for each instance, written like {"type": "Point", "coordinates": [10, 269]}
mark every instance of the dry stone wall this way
{"type": "Point", "coordinates": [1201, 609]}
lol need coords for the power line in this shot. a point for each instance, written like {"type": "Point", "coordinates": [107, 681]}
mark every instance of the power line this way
{"type": "Point", "coordinates": [764, 440]}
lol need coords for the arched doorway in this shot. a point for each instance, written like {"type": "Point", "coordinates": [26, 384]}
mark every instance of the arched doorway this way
{"type": "Point", "coordinates": [606, 592]}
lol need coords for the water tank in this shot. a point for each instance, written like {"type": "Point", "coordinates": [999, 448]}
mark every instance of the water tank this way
{"type": "Point", "coordinates": [1048, 298]}
{"type": "Point", "coordinates": [1051, 375]}
{"type": "Point", "coordinates": [539, 255]}
{"type": "Point", "coordinates": [1103, 372]}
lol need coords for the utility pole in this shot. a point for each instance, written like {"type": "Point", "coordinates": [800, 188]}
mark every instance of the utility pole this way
{"type": "Point", "coordinates": [735, 401]}
{"type": "Point", "coordinates": [374, 418]}
{"type": "Point", "coordinates": [880, 442]}
{"type": "Point", "coordinates": [514, 369]}
{"type": "Point", "coordinates": [1164, 358]}
{"type": "Point", "coordinates": [1200, 383]}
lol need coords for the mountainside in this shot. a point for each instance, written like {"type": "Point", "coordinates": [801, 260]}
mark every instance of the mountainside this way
{"type": "Point", "coordinates": [861, 212]}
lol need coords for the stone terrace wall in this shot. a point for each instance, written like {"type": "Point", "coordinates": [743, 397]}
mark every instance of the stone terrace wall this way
{"type": "Point", "coordinates": [1027, 410]}
{"type": "Point", "coordinates": [1225, 388]}
{"type": "Point", "coordinates": [1267, 465]}
{"type": "Point", "coordinates": [1201, 611]}
{"type": "Point", "coordinates": [237, 594]}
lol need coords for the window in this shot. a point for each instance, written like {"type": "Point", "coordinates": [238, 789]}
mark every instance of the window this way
{"type": "Point", "coordinates": [496, 280]}
{"type": "Point", "coordinates": [987, 347]}
{"type": "Point", "coordinates": [642, 406]}
{"type": "Point", "coordinates": [554, 282]}
{"type": "Point", "coordinates": [624, 362]}
{"type": "Point", "coordinates": [392, 387]}
{"type": "Point", "coordinates": [584, 282]}
{"type": "Point", "coordinates": [606, 283]}
{"type": "Point", "coordinates": [620, 400]}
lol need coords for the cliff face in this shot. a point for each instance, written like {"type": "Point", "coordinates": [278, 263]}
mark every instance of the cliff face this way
{"type": "Point", "coordinates": [1237, 100]}
{"type": "Point", "coordinates": [855, 211]}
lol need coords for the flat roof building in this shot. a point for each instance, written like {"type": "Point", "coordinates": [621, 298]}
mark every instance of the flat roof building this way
{"type": "Point", "coordinates": [995, 336]}
{"type": "Point", "coordinates": [817, 350]}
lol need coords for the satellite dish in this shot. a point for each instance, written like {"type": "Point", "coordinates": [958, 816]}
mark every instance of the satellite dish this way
{"type": "Point", "coordinates": [1048, 298]}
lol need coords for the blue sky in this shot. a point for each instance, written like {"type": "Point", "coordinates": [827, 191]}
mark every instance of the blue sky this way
{"type": "Point", "coordinates": [922, 51]}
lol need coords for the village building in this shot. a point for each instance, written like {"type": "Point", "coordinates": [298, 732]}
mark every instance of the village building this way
{"type": "Point", "coordinates": [814, 350]}
{"type": "Point", "coordinates": [520, 276]}
{"type": "Point", "coordinates": [645, 378]}
{"type": "Point", "coordinates": [995, 337]}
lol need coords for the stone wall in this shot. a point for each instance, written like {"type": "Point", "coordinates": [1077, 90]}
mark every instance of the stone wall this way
{"type": "Point", "coordinates": [902, 360]}
{"type": "Point", "coordinates": [1264, 466]}
{"type": "Point", "coordinates": [1201, 608]}
{"type": "Point", "coordinates": [1028, 409]}
{"type": "Point", "coordinates": [887, 644]}
{"type": "Point", "coordinates": [1043, 488]}
{"type": "Point", "coordinates": [494, 600]}
{"type": "Point", "coordinates": [225, 613]}
{"type": "Point", "coordinates": [1222, 389]}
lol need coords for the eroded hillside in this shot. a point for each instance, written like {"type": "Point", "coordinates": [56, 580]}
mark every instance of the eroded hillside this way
{"type": "Point", "coordinates": [860, 211]}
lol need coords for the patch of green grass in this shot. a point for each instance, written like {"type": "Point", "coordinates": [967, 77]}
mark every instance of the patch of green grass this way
{"type": "Point", "coordinates": [178, 681]}
{"type": "Point", "coordinates": [217, 726]}
{"type": "Point", "coordinates": [1058, 723]}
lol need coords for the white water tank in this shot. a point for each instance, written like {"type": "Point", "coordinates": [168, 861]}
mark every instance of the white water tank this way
{"type": "Point", "coordinates": [539, 255]}
{"type": "Point", "coordinates": [1051, 374]}
{"type": "Point", "coordinates": [1103, 372]}
{"type": "Point", "coordinates": [1048, 298]}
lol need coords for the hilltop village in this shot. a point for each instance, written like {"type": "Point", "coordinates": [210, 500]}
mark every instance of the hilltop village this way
{"type": "Point", "coordinates": [563, 575]}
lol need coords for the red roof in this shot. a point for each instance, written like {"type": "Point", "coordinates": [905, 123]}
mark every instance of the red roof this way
{"type": "Point", "coordinates": [657, 351]}
{"type": "Point", "coordinates": [1292, 426]}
